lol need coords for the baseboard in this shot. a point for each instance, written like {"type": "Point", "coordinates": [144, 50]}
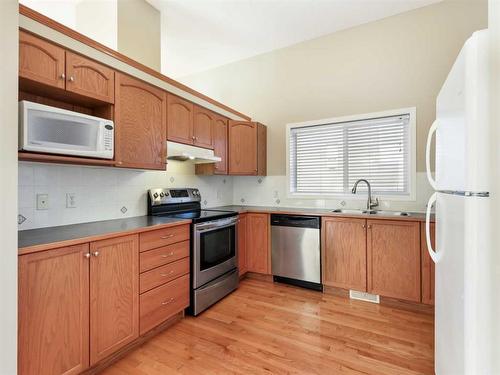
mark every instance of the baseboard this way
{"type": "Point", "coordinates": [115, 357]}
{"type": "Point", "coordinates": [259, 276]}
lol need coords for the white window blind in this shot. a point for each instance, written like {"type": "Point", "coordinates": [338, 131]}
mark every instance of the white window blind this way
{"type": "Point", "coordinates": [328, 159]}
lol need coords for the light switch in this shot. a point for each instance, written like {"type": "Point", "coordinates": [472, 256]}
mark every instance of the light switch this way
{"type": "Point", "coordinates": [42, 201]}
{"type": "Point", "coordinates": [70, 200]}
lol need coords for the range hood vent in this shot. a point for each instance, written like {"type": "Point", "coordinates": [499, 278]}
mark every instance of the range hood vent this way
{"type": "Point", "coordinates": [196, 155]}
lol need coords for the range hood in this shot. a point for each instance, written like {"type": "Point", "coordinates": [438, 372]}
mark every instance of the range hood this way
{"type": "Point", "coordinates": [196, 155]}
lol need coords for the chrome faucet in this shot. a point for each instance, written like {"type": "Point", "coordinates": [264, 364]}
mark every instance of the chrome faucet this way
{"type": "Point", "coordinates": [369, 203]}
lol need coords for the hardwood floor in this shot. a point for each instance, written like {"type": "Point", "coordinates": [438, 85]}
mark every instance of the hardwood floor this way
{"type": "Point", "coordinates": [266, 328]}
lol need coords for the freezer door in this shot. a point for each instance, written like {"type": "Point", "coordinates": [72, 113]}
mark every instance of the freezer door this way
{"type": "Point", "coordinates": [463, 159]}
{"type": "Point", "coordinates": [449, 301]}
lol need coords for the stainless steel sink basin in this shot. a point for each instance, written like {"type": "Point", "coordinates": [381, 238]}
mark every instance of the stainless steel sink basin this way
{"type": "Point", "coordinates": [373, 212]}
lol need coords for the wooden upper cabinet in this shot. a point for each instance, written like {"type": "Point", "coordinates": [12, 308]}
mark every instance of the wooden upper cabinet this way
{"type": "Point", "coordinates": [393, 249]}
{"type": "Point", "coordinates": [203, 124]}
{"type": "Point", "coordinates": [114, 295]}
{"type": "Point", "coordinates": [344, 253]}
{"type": "Point", "coordinates": [220, 144]}
{"type": "Point", "coordinates": [180, 120]}
{"type": "Point", "coordinates": [220, 148]}
{"type": "Point", "coordinates": [140, 119]}
{"type": "Point", "coordinates": [242, 244]}
{"type": "Point", "coordinates": [41, 61]}
{"type": "Point", "coordinates": [247, 148]}
{"type": "Point", "coordinates": [258, 254]}
{"type": "Point", "coordinates": [242, 148]}
{"type": "Point", "coordinates": [54, 312]}
{"type": "Point", "coordinates": [428, 268]}
{"type": "Point", "coordinates": [89, 78]}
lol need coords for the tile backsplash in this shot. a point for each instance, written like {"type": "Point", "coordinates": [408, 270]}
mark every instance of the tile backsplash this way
{"type": "Point", "coordinates": [272, 191]}
{"type": "Point", "coordinates": [104, 193]}
{"type": "Point", "coordinates": [111, 193]}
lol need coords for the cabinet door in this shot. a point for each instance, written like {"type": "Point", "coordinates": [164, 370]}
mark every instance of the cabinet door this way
{"type": "Point", "coordinates": [220, 144]}
{"type": "Point", "coordinates": [344, 253]}
{"type": "Point", "coordinates": [114, 295]}
{"type": "Point", "coordinates": [242, 244]}
{"type": "Point", "coordinates": [54, 311]}
{"type": "Point", "coordinates": [203, 127]}
{"type": "Point", "coordinates": [41, 61]}
{"type": "Point", "coordinates": [394, 259]}
{"type": "Point", "coordinates": [180, 120]}
{"type": "Point", "coordinates": [428, 269]}
{"type": "Point", "coordinates": [258, 243]}
{"type": "Point", "coordinates": [242, 148]}
{"type": "Point", "coordinates": [89, 78]}
{"type": "Point", "coordinates": [140, 120]}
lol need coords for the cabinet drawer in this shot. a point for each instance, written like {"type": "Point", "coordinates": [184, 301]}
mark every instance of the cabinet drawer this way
{"type": "Point", "coordinates": [164, 274]}
{"type": "Point", "coordinates": [163, 255]}
{"type": "Point", "coordinates": [163, 237]}
{"type": "Point", "coordinates": [161, 303]}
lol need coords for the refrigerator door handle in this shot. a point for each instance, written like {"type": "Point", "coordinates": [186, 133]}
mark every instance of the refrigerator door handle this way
{"type": "Point", "coordinates": [432, 130]}
{"type": "Point", "coordinates": [435, 256]}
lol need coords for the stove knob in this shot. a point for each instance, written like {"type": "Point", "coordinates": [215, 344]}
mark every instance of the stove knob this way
{"type": "Point", "coordinates": [162, 195]}
{"type": "Point", "coordinates": [155, 195]}
{"type": "Point", "coordinates": [167, 194]}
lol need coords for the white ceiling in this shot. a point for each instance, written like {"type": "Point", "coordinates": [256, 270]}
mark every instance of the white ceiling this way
{"type": "Point", "coordinates": [203, 34]}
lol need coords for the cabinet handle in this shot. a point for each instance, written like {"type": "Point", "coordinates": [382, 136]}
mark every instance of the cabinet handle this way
{"type": "Point", "coordinates": [86, 255]}
{"type": "Point", "coordinates": [165, 237]}
{"type": "Point", "coordinates": [167, 255]}
{"type": "Point", "coordinates": [168, 302]}
{"type": "Point", "coordinates": [72, 79]}
{"type": "Point", "coordinates": [363, 226]}
{"type": "Point", "coordinates": [95, 253]}
{"type": "Point", "coordinates": [63, 76]}
{"type": "Point", "coordinates": [369, 227]}
{"type": "Point", "coordinates": [119, 163]}
{"type": "Point", "coordinates": [167, 274]}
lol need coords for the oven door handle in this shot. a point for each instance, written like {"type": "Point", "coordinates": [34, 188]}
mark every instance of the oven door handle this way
{"type": "Point", "coordinates": [204, 227]}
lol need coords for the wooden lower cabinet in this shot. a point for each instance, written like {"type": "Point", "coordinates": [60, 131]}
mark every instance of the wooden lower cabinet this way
{"type": "Point", "coordinates": [344, 253]}
{"type": "Point", "coordinates": [114, 295]}
{"type": "Point", "coordinates": [242, 244]}
{"type": "Point", "coordinates": [54, 311]}
{"type": "Point", "coordinates": [428, 268]}
{"type": "Point", "coordinates": [258, 249]}
{"type": "Point", "coordinates": [393, 249]}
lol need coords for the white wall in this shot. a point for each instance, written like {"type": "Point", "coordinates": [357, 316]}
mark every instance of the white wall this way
{"type": "Point", "coordinates": [397, 62]}
{"type": "Point", "coordinates": [98, 20]}
{"type": "Point", "coordinates": [8, 185]}
{"type": "Point", "coordinates": [101, 193]}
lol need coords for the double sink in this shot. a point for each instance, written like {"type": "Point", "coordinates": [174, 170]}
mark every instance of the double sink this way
{"type": "Point", "coordinates": [371, 212]}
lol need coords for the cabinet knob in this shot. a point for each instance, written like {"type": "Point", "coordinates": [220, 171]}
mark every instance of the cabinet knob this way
{"type": "Point", "coordinates": [369, 227]}
{"type": "Point", "coordinates": [363, 226]}
{"type": "Point", "coordinates": [95, 253]}
{"type": "Point", "coordinates": [86, 255]}
{"type": "Point", "coordinates": [71, 79]}
{"type": "Point", "coordinates": [63, 76]}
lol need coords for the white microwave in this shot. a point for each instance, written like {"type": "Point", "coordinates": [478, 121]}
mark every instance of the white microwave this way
{"type": "Point", "coordinates": [47, 129]}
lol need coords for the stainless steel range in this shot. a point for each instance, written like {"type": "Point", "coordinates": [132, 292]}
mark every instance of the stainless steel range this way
{"type": "Point", "coordinates": [214, 252]}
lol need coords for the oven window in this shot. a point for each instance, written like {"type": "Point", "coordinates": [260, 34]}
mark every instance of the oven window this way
{"type": "Point", "coordinates": [217, 246]}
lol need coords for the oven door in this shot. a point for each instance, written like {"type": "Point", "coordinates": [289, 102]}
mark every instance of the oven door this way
{"type": "Point", "coordinates": [215, 249]}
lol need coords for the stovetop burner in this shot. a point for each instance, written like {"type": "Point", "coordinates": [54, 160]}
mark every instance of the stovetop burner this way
{"type": "Point", "coordinates": [182, 204]}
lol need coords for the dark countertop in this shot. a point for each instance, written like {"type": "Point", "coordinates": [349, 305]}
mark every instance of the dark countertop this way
{"type": "Point", "coordinates": [414, 216]}
{"type": "Point", "coordinates": [32, 240]}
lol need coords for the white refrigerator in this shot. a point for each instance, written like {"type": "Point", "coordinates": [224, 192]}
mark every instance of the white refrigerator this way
{"type": "Point", "coordinates": [467, 278]}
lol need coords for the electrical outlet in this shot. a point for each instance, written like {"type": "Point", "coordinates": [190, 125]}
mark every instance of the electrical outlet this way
{"type": "Point", "coordinates": [42, 201]}
{"type": "Point", "coordinates": [70, 200]}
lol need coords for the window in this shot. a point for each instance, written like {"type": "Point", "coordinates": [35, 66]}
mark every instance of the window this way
{"type": "Point", "coordinates": [327, 157]}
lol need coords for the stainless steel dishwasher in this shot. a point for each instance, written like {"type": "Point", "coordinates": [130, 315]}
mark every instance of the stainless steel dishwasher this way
{"type": "Point", "coordinates": [295, 248]}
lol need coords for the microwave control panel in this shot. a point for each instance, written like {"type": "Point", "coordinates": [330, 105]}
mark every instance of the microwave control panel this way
{"type": "Point", "coordinates": [108, 137]}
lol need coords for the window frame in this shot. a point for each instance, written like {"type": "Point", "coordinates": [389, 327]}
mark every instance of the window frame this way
{"type": "Point", "coordinates": [411, 196]}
